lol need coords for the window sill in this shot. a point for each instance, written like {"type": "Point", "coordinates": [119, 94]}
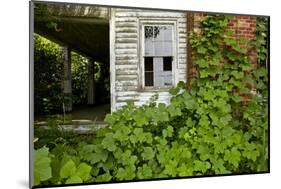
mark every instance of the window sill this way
{"type": "Point", "coordinates": [156, 89]}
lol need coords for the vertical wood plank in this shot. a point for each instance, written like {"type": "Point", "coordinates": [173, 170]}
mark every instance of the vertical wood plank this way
{"type": "Point", "coordinates": [112, 60]}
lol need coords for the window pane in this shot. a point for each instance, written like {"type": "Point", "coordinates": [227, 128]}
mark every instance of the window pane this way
{"type": "Point", "coordinates": [163, 41]}
{"type": "Point", "coordinates": [167, 78]}
{"type": "Point", "coordinates": [158, 55]}
{"type": "Point", "coordinates": [158, 70]}
{"type": "Point", "coordinates": [167, 65]}
{"type": "Point", "coordinates": [163, 33]}
{"type": "Point", "coordinates": [148, 78]}
{"type": "Point", "coordinates": [148, 32]}
{"type": "Point", "coordinates": [149, 50]}
{"type": "Point", "coordinates": [162, 77]}
{"type": "Point", "coordinates": [148, 63]}
{"type": "Point", "coordinates": [158, 41]}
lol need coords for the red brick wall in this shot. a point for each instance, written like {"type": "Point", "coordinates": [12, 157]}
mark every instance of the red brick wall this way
{"type": "Point", "coordinates": [242, 27]}
{"type": "Point", "coordinates": [245, 27]}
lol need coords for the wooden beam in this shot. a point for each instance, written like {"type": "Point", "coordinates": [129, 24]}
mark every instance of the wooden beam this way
{"type": "Point", "coordinates": [73, 19]}
{"type": "Point", "coordinates": [59, 42]}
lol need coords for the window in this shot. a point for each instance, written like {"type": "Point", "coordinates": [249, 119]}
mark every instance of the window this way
{"type": "Point", "coordinates": [167, 63]}
{"type": "Point", "coordinates": [148, 67]}
{"type": "Point", "coordinates": [158, 55]}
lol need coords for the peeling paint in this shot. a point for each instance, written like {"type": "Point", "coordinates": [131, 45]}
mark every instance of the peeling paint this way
{"type": "Point", "coordinates": [127, 55]}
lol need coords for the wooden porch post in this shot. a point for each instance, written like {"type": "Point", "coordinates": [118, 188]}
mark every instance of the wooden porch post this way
{"type": "Point", "coordinates": [67, 88]}
{"type": "Point", "coordinates": [91, 79]}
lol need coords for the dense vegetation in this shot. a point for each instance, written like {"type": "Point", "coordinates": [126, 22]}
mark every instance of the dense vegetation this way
{"type": "Point", "coordinates": [47, 76]}
{"type": "Point", "coordinates": [48, 93]}
{"type": "Point", "coordinates": [218, 125]}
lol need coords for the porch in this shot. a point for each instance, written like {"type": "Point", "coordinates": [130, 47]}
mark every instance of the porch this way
{"type": "Point", "coordinates": [83, 30]}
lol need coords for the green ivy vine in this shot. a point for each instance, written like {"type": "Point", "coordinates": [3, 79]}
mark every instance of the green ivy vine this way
{"type": "Point", "coordinates": [261, 41]}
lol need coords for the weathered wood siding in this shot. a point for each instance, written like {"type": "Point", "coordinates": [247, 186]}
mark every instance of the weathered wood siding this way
{"type": "Point", "coordinates": [126, 58]}
{"type": "Point", "coordinates": [71, 10]}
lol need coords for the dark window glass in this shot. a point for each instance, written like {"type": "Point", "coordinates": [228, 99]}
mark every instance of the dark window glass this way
{"type": "Point", "coordinates": [148, 63]}
{"type": "Point", "coordinates": [148, 78]}
{"type": "Point", "coordinates": [148, 31]}
{"type": "Point", "coordinates": [148, 68]}
{"type": "Point", "coordinates": [167, 63]}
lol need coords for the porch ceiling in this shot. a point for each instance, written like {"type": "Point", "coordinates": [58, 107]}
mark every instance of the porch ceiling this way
{"type": "Point", "coordinates": [84, 33]}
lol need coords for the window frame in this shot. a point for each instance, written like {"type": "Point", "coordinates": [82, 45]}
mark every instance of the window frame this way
{"type": "Point", "coordinates": [157, 22]}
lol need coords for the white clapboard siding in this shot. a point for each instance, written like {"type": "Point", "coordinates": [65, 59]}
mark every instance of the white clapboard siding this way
{"type": "Point", "coordinates": [127, 84]}
{"type": "Point", "coordinates": [163, 97]}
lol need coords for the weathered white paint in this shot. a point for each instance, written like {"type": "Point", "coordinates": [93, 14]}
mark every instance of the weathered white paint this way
{"type": "Point", "coordinates": [112, 60]}
{"type": "Point", "coordinates": [126, 54]}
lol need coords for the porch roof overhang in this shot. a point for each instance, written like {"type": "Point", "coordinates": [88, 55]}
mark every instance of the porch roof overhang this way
{"type": "Point", "coordinates": [84, 29]}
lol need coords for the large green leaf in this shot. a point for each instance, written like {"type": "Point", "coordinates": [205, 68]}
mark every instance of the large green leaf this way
{"type": "Point", "coordinates": [104, 177]}
{"type": "Point", "coordinates": [83, 171]}
{"type": "Point", "coordinates": [109, 142]}
{"type": "Point", "coordinates": [74, 180]}
{"type": "Point", "coordinates": [42, 165]}
{"type": "Point", "coordinates": [68, 169]}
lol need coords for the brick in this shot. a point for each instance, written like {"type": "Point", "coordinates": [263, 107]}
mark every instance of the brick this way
{"type": "Point", "coordinates": [241, 26]}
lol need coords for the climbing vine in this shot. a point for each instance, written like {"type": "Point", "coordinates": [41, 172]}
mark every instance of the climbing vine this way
{"type": "Point", "coordinates": [218, 126]}
{"type": "Point", "coordinates": [261, 41]}
{"type": "Point", "coordinates": [233, 94]}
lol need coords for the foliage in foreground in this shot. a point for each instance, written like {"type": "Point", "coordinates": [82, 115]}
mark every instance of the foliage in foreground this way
{"type": "Point", "coordinates": [218, 126]}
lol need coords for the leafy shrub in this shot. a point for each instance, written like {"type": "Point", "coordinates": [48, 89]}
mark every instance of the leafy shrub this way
{"type": "Point", "coordinates": [79, 74]}
{"type": "Point", "coordinates": [47, 76]}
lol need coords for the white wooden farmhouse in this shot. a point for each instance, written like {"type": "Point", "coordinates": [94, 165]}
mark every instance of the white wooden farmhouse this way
{"type": "Point", "coordinates": [148, 53]}
{"type": "Point", "coordinates": [146, 50]}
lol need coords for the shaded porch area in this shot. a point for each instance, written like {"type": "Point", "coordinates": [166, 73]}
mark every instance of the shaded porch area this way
{"type": "Point", "coordinates": [83, 30]}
